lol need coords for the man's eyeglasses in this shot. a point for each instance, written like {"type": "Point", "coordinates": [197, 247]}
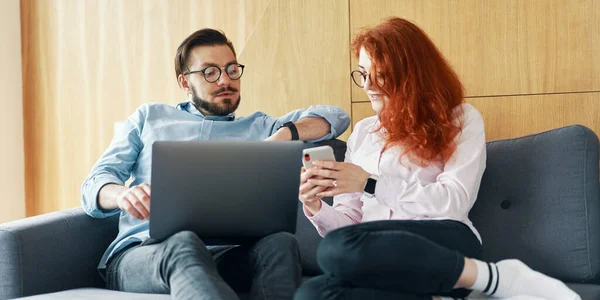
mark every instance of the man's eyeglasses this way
{"type": "Point", "coordinates": [360, 77]}
{"type": "Point", "coordinates": [213, 74]}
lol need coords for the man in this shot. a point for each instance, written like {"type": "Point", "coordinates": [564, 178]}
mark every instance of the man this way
{"type": "Point", "coordinates": [208, 71]}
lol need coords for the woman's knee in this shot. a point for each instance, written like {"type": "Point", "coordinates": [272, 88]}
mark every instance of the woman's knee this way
{"type": "Point", "coordinates": [313, 289]}
{"type": "Point", "coordinates": [340, 249]}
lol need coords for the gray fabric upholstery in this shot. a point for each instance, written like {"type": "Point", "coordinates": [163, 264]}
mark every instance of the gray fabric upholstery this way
{"type": "Point", "coordinates": [586, 291]}
{"type": "Point", "coordinates": [97, 294]}
{"type": "Point", "coordinates": [539, 202]}
{"type": "Point", "coordinates": [52, 252]}
{"type": "Point", "coordinates": [307, 235]}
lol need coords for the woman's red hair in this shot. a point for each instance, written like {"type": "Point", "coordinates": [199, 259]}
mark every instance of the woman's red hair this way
{"type": "Point", "coordinates": [422, 90]}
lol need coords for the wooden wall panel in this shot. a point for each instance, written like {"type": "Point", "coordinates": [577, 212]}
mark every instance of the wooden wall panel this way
{"type": "Point", "coordinates": [507, 117]}
{"type": "Point", "coordinates": [89, 64]}
{"type": "Point", "coordinates": [503, 47]}
{"type": "Point", "coordinates": [514, 116]}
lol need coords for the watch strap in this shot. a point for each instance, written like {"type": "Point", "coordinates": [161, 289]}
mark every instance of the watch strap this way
{"type": "Point", "coordinates": [293, 130]}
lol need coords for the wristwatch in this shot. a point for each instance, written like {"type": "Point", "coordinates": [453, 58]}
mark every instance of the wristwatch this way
{"type": "Point", "coordinates": [369, 189]}
{"type": "Point", "coordinates": [292, 128]}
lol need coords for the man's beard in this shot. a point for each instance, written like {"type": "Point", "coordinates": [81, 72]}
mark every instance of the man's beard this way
{"type": "Point", "coordinates": [214, 109]}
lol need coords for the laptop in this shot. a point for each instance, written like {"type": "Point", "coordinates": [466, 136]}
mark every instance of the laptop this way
{"type": "Point", "coordinates": [225, 192]}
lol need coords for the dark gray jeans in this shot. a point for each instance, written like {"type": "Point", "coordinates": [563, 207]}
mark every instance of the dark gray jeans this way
{"type": "Point", "coordinates": [399, 260]}
{"type": "Point", "coordinates": [182, 266]}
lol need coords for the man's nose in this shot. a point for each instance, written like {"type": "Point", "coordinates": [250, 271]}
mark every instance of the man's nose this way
{"type": "Point", "coordinates": [224, 80]}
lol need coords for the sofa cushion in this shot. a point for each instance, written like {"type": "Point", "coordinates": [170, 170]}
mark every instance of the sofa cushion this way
{"type": "Point", "coordinates": [307, 235]}
{"type": "Point", "coordinates": [97, 294]}
{"type": "Point", "coordinates": [538, 202]}
{"type": "Point", "coordinates": [586, 291]}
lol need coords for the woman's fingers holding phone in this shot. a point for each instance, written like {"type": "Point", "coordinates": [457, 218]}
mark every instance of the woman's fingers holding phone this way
{"type": "Point", "coordinates": [308, 193]}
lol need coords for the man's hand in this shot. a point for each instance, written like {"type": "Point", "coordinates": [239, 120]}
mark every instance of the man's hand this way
{"type": "Point", "coordinates": [136, 201]}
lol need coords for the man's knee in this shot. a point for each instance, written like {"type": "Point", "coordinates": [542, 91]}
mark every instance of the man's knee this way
{"type": "Point", "coordinates": [184, 237]}
{"type": "Point", "coordinates": [184, 243]}
{"type": "Point", "coordinates": [282, 240]}
{"type": "Point", "coordinates": [279, 250]}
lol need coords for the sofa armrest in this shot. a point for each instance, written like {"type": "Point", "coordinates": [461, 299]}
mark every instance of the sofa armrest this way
{"type": "Point", "coordinates": [53, 252]}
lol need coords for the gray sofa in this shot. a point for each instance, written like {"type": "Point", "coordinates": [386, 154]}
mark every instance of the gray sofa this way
{"type": "Point", "coordinates": [539, 202]}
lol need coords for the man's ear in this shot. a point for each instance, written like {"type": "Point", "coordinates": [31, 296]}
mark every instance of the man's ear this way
{"type": "Point", "coordinates": [183, 83]}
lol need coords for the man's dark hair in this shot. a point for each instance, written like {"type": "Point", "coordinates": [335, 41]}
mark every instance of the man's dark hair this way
{"type": "Point", "coordinates": [202, 37]}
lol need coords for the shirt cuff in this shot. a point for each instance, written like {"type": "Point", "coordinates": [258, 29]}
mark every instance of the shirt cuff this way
{"type": "Point", "coordinates": [90, 196]}
{"type": "Point", "coordinates": [324, 219]}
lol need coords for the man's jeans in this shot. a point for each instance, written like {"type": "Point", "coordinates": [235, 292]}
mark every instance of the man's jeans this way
{"type": "Point", "coordinates": [182, 266]}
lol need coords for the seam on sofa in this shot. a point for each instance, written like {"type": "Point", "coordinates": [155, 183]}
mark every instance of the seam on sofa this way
{"type": "Point", "coordinates": [20, 260]}
{"type": "Point", "coordinates": [585, 202]}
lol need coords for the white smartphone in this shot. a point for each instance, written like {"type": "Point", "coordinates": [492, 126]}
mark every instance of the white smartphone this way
{"type": "Point", "coordinates": [316, 153]}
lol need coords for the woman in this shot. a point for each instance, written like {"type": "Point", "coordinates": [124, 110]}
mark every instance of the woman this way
{"type": "Point", "coordinates": [415, 169]}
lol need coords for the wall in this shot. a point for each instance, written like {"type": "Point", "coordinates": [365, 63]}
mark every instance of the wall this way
{"type": "Point", "coordinates": [527, 65]}
{"type": "Point", "coordinates": [91, 63]}
{"type": "Point", "coordinates": [11, 118]}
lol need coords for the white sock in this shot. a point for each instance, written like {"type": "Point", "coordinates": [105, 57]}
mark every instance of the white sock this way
{"type": "Point", "coordinates": [512, 277]}
{"type": "Point", "coordinates": [486, 277]}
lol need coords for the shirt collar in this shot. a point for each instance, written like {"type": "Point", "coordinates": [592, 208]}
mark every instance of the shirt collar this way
{"type": "Point", "coordinates": [187, 106]}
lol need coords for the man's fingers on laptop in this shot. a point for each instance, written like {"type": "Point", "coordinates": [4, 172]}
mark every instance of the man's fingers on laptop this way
{"type": "Point", "coordinates": [140, 206]}
{"type": "Point", "coordinates": [125, 205]}
{"type": "Point", "coordinates": [146, 188]}
{"type": "Point", "coordinates": [137, 205]}
{"type": "Point", "coordinates": [143, 197]}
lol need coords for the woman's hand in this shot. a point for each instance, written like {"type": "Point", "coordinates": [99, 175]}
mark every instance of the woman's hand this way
{"type": "Point", "coordinates": [337, 177]}
{"type": "Point", "coordinates": [308, 193]}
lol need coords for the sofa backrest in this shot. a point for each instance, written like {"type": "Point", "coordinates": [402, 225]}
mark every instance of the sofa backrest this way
{"type": "Point", "coordinates": [538, 202]}
{"type": "Point", "coordinates": [307, 235]}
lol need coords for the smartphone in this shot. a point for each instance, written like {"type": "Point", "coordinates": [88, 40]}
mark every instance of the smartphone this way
{"type": "Point", "coordinates": [316, 153]}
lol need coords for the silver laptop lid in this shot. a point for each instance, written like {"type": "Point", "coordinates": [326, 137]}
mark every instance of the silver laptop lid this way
{"type": "Point", "coordinates": [225, 192]}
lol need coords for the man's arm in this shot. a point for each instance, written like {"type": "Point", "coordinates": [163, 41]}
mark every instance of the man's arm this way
{"type": "Point", "coordinates": [309, 128]}
{"type": "Point", "coordinates": [110, 172]}
{"type": "Point", "coordinates": [316, 123]}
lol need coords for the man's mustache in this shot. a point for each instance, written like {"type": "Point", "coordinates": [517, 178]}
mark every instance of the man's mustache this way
{"type": "Point", "coordinates": [228, 89]}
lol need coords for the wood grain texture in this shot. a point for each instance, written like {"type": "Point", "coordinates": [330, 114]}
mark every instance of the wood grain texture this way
{"type": "Point", "coordinates": [515, 116]}
{"type": "Point", "coordinates": [503, 47]}
{"type": "Point", "coordinates": [88, 64]}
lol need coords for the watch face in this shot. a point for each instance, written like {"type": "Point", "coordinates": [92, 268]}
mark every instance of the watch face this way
{"type": "Point", "coordinates": [370, 187]}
